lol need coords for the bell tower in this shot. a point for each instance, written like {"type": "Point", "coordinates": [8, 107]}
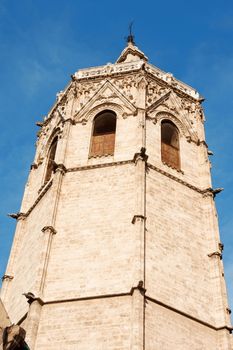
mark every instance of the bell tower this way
{"type": "Point", "coordinates": [117, 243]}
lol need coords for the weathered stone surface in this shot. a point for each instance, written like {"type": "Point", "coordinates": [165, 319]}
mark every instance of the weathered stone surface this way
{"type": "Point", "coordinates": [120, 251]}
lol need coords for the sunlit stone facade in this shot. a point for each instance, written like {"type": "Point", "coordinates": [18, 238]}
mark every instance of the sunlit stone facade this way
{"type": "Point", "coordinates": [117, 241]}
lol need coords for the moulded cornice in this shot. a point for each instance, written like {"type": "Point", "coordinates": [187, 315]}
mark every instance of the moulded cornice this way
{"type": "Point", "coordinates": [208, 192]}
{"type": "Point", "coordinates": [120, 68]}
{"type": "Point", "coordinates": [108, 70]}
{"type": "Point", "coordinates": [205, 192]}
{"type": "Point", "coordinates": [171, 81]}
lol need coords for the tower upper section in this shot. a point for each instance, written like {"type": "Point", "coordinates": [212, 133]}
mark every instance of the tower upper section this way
{"type": "Point", "coordinates": [129, 87]}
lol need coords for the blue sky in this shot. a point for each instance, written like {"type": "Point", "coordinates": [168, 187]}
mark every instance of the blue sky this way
{"type": "Point", "coordinates": [43, 42]}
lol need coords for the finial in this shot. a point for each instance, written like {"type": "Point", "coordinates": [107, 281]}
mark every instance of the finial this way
{"type": "Point", "coordinates": [130, 37]}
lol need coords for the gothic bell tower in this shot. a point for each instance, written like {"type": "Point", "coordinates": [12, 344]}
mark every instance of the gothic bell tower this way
{"type": "Point", "coordinates": [117, 243]}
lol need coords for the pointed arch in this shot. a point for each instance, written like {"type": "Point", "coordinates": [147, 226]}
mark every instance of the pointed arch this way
{"type": "Point", "coordinates": [51, 158]}
{"type": "Point", "coordinates": [107, 97]}
{"type": "Point", "coordinates": [170, 144]}
{"type": "Point", "coordinates": [103, 134]}
{"type": "Point", "coordinates": [183, 130]}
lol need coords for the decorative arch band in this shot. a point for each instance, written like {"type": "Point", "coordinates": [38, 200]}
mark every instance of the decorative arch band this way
{"type": "Point", "coordinates": [119, 110]}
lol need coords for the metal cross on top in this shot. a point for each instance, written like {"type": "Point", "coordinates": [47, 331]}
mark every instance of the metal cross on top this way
{"type": "Point", "coordinates": [130, 37]}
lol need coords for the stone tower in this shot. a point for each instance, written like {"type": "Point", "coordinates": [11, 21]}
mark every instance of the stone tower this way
{"type": "Point", "coordinates": [117, 243]}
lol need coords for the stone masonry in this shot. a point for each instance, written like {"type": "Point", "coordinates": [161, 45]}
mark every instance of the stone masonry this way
{"type": "Point", "coordinates": [120, 251]}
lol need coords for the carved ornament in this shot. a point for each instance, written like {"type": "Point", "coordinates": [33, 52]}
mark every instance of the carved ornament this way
{"type": "Point", "coordinates": [172, 81]}
{"type": "Point", "coordinates": [155, 92]}
{"type": "Point", "coordinates": [169, 107]}
{"type": "Point", "coordinates": [49, 229]}
{"type": "Point", "coordinates": [108, 70]}
{"type": "Point", "coordinates": [107, 97]}
{"type": "Point", "coordinates": [7, 278]}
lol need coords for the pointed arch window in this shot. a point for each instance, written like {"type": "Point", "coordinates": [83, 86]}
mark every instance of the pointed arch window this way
{"type": "Point", "coordinates": [103, 135]}
{"type": "Point", "coordinates": [51, 157]}
{"type": "Point", "coordinates": [170, 145]}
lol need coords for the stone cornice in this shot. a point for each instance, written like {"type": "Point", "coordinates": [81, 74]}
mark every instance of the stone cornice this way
{"type": "Point", "coordinates": [95, 166]}
{"type": "Point", "coordinates": [108, 69]}
{"type": "Point", "coordinates": [111, 70]}
{"type": "Point", "coordinates": [142, 291]}
{"type": "Point", "coordinates": [171, 81]}
{"type": "Point", "coordinates": [42, 302]}
{"type": "Point", "coordinates": [130, 67]}
{"type": "Point", "coordinates": [44, 186]}
{"type": "Point", "coordinates": [193, 318]}
{"type": "Point", "coordinates": [205, 192]}
{"type": "Point", "coordinates": [41, 195]}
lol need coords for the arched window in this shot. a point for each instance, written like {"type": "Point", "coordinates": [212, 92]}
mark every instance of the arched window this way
{"type": "Point", "coordinates": [170, 148]}
{"type": "Point", "coordinates": [51, 157]}
{"type": "Point", "coordinates": [103, 136]}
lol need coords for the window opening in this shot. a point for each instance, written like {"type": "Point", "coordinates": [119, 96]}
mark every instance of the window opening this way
{"type": "Point", "coordinates": [51, 157]}
{"type": "Point", "coordinates": [170, 148]}
{"type": "Point", "coordinates": [103, 137]}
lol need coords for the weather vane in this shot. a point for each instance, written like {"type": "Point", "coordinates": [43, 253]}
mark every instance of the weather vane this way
{"type": "Point", "coordinates": [130, 37]}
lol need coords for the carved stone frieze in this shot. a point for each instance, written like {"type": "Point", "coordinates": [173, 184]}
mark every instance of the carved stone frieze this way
{"type": "Point", "coordinates": [84, 92]}
{"type": "Point", "coordinates": [127, 86]}
{"type": "Point", "coordinates": [155, 92]}
{"type": "Point", "coordinates": [108, 70]}
{"type": "Point", "coordinates": [130, 86]}
{"type": "Point", "coordinates": [170, 80]}
{"type": "Point", "coordinates": [107, 97]}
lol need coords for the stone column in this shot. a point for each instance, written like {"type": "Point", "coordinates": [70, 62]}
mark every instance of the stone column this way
{"type": "Point", "coordinates": [9, 275]}
{"type": "Point", "coordinates": [49, 231]}
{"type": "Point", "coordinates": [139, 220]}
{"type": "Point", "coordinates": [215, 255]}
{"type": "Point", "coordinates": [33, 317]}
{"type": "Point", "coordinates": [32, 323]}
{"type": "Point", "coordinates": [138, 318]}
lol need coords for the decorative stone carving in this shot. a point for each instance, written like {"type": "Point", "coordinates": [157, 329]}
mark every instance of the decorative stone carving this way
{"type": "Point", "coordinates": [140, 155]}
{"type": "Point", "coordinates": [137, 218]}
{"type": "Point", "coordinates": [59, 95]}
{"type": "Point", "coordinates": [7, 277]}
{"type": "Point", "coordinates": [49, 229]}
{"type": "Point", "coordinates": [155, 92]}
{"type": "Point", "coordinates": [55, 128]}
{"type": "Point", "coordinates": [171, 106]}
{"type": "Point", "coordinates": [83, 92]}
{"type": "Point", "coordinates": [107, 97]}
{"type": "Point", "coordinates": [170, 80]}
{"type": "Point", "coordinates": [128, 87]}
{"type": "Point", "coordinates": [108, 70]}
